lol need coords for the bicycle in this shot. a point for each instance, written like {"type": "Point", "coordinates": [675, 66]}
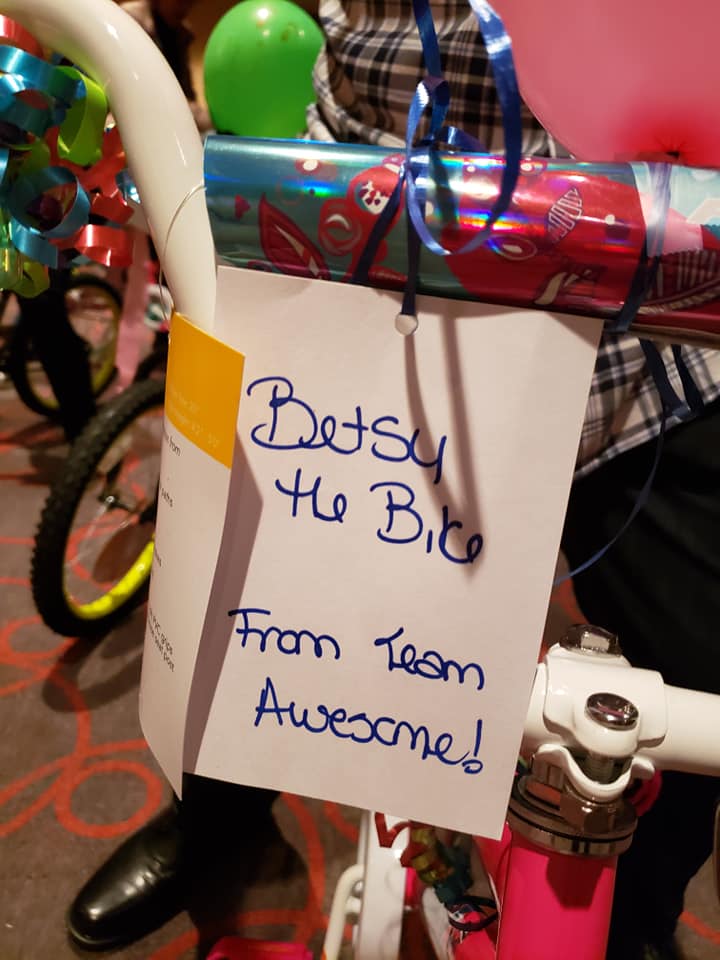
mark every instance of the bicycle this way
{"type": "Point", "coordinates": [594, 725]}
{"type": "Point", "coordinates": [93, 546]}
{"type": "Point", "coordinates": [94, 543]}
{"type": "Point", "coordinates": [594, 722]}
{"type": "Point", "coordinates": [94, 307]}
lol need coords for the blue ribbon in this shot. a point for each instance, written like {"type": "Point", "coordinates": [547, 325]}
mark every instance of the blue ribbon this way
{"type": "Point", "coordinates": [645, 273]}
{"type": "Point", "coordinates": [428, 37]}
{"type": "Point", "coordinates": [672, 404]}
{"type": "Point", "coordinates": [499, 48]}
{"type": "Point", "coordinates": [434, 92]}
{"type": "Point", "coordinates": [649, 261]}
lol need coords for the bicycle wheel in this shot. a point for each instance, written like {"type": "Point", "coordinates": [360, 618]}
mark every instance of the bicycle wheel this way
{"type": "Point", "coordinates": [93, 308]}
{"type": "Point", "coordinates": [94, 543]}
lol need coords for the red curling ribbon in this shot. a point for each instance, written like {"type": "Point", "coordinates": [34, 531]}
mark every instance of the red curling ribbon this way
{"type": "Point", "coordinates": [110, 246]}
{"type": "Point", "coordinates": [111, 208]}
{"type": "Point", "coordinates": [102, 178]}
{"type": "Point", "coordinates": [18, 36]}
{"type": "Point", "coordinates": [99, 180]}
{"type": "Point", "coordinates": [102, 243]}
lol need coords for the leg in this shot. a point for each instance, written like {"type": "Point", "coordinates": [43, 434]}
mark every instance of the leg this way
{"type": "Point", "coordinates": [146, 881]}
{"type": "Point", "coordinates": [62, 353]}
{"type": "Point", "coordinates": [657, 587]}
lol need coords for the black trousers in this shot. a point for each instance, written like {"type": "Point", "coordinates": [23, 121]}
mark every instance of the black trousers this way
{"type": "Point", "coordinates": [658, 588]}
{"type": "Point", "coordinates": [62, 353]}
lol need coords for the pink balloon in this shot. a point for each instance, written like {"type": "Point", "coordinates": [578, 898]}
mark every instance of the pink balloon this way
{"type": "Point", "coordinates": [621, 79]}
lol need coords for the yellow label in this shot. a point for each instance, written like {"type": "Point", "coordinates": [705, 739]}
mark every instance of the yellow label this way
{"type": "Point", "coordinates": [204, 378]}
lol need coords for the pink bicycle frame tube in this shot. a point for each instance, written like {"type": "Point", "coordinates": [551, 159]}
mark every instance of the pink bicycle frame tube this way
{"type": "Point", "coordinates": [554, 902]}
{"type": "Point", "coordinates": [550, 903]}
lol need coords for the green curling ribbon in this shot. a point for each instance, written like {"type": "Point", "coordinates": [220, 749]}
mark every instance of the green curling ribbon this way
{"type": "Point", "coordinates": [25, 277]}
{"type": "Point", "coordinates": [11, 272]}
{"type": "Point", "coordinates": [34, 280]}
{"type": "Point", "coordinates": [81, 132]}
{"type": "Point", "coordinates": [35, 156]}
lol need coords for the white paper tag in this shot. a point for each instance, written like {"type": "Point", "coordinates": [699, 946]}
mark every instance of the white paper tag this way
{"type": "Point", "coordinates": [387, 550]}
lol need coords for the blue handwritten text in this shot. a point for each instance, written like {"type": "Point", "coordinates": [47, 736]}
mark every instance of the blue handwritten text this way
{"type": "Point", "coordinates": [289, 642]}
{"type": "Point", "coordinates": [294, 425]}
{"type": "Point", "coordinates": [339, 503]}
{"type": "Point", "coordinates": [360, 728]}
{"type": "Point", "coordinates": [430, 664]}
{"type": "Point", "coordinates": [400, 513]}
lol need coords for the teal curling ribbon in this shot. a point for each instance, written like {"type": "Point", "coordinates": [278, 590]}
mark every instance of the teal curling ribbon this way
{"type": "Point", "coordinates": [29, 239]}
{"type": "Point", "coordinates": [23, 72]}
{"type": "Point", "coordinates": [47, 111]}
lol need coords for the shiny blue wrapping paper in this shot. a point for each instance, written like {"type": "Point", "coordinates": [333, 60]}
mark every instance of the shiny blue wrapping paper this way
{"type": "Point", "coordinates": [570, 240]}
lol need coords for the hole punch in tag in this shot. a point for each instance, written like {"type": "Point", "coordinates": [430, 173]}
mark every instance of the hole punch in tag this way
{"type": "Point", "coordinates": [406, 323]}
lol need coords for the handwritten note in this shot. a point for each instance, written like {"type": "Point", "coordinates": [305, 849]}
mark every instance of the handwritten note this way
{"type": "Point", "coordinates": [384, 554]}
{"type": "Point", "coordinates": [294, 426]}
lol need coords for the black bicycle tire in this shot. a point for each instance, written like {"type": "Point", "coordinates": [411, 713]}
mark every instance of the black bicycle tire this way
{"type": "Point", "coordinates": [19, 352]}
{"type": "Point", "coordinates": [55, 525]}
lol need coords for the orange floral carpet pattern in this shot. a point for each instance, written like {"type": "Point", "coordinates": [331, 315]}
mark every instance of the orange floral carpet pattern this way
{"type": "Point", "coordinates": [76, 776]}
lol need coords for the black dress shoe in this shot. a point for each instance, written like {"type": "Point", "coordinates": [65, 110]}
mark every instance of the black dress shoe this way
{"type": "Point", "coordinates": [138, 889]}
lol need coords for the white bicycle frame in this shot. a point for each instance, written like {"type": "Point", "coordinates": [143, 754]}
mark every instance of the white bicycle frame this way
{"type": "Point", "coordinates": [165, 154]}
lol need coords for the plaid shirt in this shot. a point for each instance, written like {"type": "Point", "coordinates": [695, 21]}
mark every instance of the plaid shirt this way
{"type": "Point", "coordinates": [364, 81]}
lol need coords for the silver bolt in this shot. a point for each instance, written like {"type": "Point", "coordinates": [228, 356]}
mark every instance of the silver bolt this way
{"type": "Point", "coordinates": [590, 639]}
{"type": "Point", "coordinates": [611, 711]}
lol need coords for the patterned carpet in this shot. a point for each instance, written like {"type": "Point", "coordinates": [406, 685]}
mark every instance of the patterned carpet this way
{"type": "Point", "coordinates": [76, 776]}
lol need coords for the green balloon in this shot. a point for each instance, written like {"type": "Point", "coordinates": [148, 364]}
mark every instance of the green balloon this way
{"type": "Point", "coordinates": [258, 69]}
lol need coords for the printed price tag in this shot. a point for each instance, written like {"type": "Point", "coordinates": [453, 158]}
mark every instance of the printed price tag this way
{"type": "Point", "coordinates": [204, 379]}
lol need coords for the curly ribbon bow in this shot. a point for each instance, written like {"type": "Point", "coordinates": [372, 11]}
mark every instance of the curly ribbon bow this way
{"type": "Point", "coordinates": [58, 168]}
{"type": "Point", "coordinates": [434, 92]}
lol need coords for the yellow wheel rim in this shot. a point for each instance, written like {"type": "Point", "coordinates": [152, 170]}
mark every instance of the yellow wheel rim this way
{"type": "Point", "coordinates": [117, 595]}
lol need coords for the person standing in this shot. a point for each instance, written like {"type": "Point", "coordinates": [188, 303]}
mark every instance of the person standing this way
{"type": "Point", "coordinates": [63, 354]}
{"type": "Point", "coordinates": [165, 21]}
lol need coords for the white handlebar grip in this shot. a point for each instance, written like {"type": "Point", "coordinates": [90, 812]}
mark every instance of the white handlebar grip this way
{"type": "Point", "coordinates": [692, 742]}
{"type": "Point", "coordinates": [163, 146]}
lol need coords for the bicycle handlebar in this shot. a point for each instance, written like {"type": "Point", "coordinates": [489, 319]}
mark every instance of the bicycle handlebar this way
{"type": "Point", "coordinates": [692, 743]}
{"type": "Point", "coordinates": [161, 140]}
{"type": "Point", "coordinates": [675, 729]}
